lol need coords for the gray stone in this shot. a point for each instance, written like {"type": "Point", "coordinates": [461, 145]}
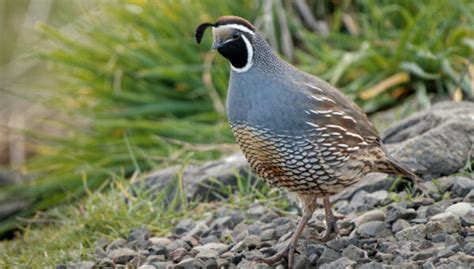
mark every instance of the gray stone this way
{"type": "Point", "coordinates": [328, 255]}
{"type": "Point", "coordinates": [459, 209]}
{"type": "Point", "coordinates": [425, 141]}
{"type": "Point", "coordinates": [155, 258]}
{"type": "Point", "coordinates": [415, 233]}
{"type": "Point", "coordinates": [462, 186]}
{"type": "Point", "coordinates": [158, 250]}
{"type": "Point", "coordinates": [218, 247]}
{"type": "Point", "coordinates": [139, 234]}
{"type": "Point", "coordinates": [268, 234]}
{"type": "Point", "coordinates": [399, 225]}
{"type": "Point", "coordinates": [122, 255]}
{"type": "Point", "coordinates": [209, 239]}
{"type": "Point", "coordinates": [162, 265]}
{"type": "Point", "coordinates": [249, 243]}
{"type": "Point", "coordinates": [178, 243]}
{"type": "Point", "coordinates": [118, 243]}
{"type": "Point", "coordinates": [372, 265]}
{"type": "Point", "coordinates": [376, 198]}
{"type": "Point", "coordinates": [161, 241]}
{"type": "Point", "coordinates": [301, 261]}
{"type": "Point", "coordinates": [147, 266]}
{"type": "Point", "coordinates": [424, 254]}
{"type": "Point", "coordinates": [184, 226]}
{"type": "Point", "coordinates": [341, 263]}
{"type": "Point", "coordinates": [468, 219]}
{"type": "Point", "coordinates": [354, 253]}
{"type": "Point", "coordinates": [444, 222]}
{"type": "Point", "coordinates": [469, 248]}
{"type": "Point", "coordinates": [269, 217]}
{"type": "Point", "coordinates": [190, 263]}
{"type": "Point", "coordinates": [372, 215]}
{"type": "Point", "coordinates": [373, 229]}
{"type": "Point", "coordinates": [178, 254]}
{"type": "Point", "coordinates": [469, 198]}
{"type": "Point", "coordinates": [256, 211]}
{"type": "Point", "coordinates": [395, 212]}
{"type": "Point", "coordinates": [82, 265]}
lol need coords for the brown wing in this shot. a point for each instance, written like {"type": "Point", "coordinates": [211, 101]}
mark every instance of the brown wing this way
{"type": "Point", "coordinates": [332, 110]}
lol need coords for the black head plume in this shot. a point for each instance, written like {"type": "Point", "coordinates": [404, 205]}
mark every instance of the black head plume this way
{"type": "Point", "coordinates": [200, 31]}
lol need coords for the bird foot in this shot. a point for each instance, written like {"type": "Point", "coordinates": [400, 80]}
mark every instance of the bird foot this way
{"type": "Point", "coordinates": [331, 232]}
{"type": "Point", "coordinates": [288, 252]}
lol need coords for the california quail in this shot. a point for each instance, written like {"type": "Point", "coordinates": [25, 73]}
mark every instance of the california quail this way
{"type": "Point", "coordinates": [296, 131]}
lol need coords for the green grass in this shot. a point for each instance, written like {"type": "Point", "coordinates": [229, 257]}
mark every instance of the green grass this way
{"type": "Point", "coordinates": [68, 233]}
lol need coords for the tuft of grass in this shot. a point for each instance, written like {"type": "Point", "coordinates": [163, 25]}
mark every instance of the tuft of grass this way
{"type": "Point", "coordinates": [69, 233]}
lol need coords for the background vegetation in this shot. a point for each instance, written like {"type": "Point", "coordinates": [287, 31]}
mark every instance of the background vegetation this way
{"type": "Point", "coordinates": [133, 92]}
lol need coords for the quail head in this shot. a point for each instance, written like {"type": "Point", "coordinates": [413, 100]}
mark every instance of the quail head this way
{"type": "Point", "coordinates": [296, 131]}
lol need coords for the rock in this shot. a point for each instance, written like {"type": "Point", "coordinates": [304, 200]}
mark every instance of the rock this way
{"type": "Point", "coordinates": [256, 211]}
{"type": "Point", "coordinates": [459, 209]}
{"type": "Point", "coordinates": [399, 225]}
{"type": "Point", "coordinates": [218, 247]}
{"type": "Point", "coordinates": [373, 229]}
{"type": "Point", "coordinates": [139, 234]}
{"type": "Point", "coordinates": [209, 239]}
{"type": "Point", "coordinates": [468, 219]}
{"type": "Point", "coordinates": [469, 248]}
{"type": "Point", "coordinates": [425, 141]}
{"type": "Point", "coordinates": [376, 198]}
{"type": "Point", "coordinates": [341, 263]}
{"type": "Point", "coordinates": [201, 182]}
{"type": "Point", "coordinates": [147, 266]}
{"type": "Point", "coordinates": [372, 215]}
{"type": "Point", "coordinates": [161, 241]}
{"type": "Point", "coordinates": [268, 234]}
{"type": "Point", "coordinates": [122, 255]}
{"type": "Point", "coordinates": [190, 263]}
{"type": "Point", "coordinates": [158, 250]}
{"type": "Point", "coordinates": [227, 222]}
{"type": "Point", "coordinates": [118, 243]}
{"type": "Point", "coordinates": [155, 258]}
{"type": "Point", "coordinates": [444, 222]}
{"type": "Point", "coordinates": [328, 255]}
{"type": "Point", "coordinates": [416, 233]}
{"type": "Point", "coordinates": [424, 254]}
{"type": "Point", "coordinates": [301, 261]}
{"type": "Point", "coordinates": [462, 186]}
{"type": "Point", "coordinates": [184, 226]}
{"type": "Point", "coordinates": [372, 265]}
{"type": "Point", "coordinates": [469, 198]}
{"type": "Point", "coordinates": [178, 254]}
{"type": "Point", "coordinates": [395, 212]}
{"type": "Point", "coordinates": [82, 265]}
{"type": "Point", "coordinates": [178, 243]}
{"type": "Point", "coordinates": [249, 243]}
{"type": "Point", "coordinates": [268, 218]}
{"type": "Point", "coordinates": [354, 253]}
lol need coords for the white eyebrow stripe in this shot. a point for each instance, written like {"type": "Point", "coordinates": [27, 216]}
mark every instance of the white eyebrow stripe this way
{"type": "Point", "coordinates": [238, 27]}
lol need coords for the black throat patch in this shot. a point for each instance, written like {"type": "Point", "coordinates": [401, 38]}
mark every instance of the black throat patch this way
{"type": "Point", "coordinates": [236, 52]}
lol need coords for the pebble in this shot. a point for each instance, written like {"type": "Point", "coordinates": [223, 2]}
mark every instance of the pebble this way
{"type": "Point", "coordinates": [459, 209]}
{"type": "Point", "coordinates": [341, 263]}
{"type": "Point", "coordinates": [354, 253]}
{"type": "Point", "coordinates": [412, 234]}
{"type": "Point", "coordinates": [462, 186]}
{"type": "Point", "coordinates": [443, 222]}
{"type": "Point", "coordinates": [395, 212]}
{"type": "Point", "coordinates": [374, 228]}
{"type": "Point", "coordinates": [122, 255]}
{"type": "Point", "coordinates": [415, 233]}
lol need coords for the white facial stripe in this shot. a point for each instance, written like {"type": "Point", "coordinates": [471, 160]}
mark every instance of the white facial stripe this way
{"type": "Point", "coordinates": [238, 27]}
{"type": "Point", "coordinates": [249, 56]}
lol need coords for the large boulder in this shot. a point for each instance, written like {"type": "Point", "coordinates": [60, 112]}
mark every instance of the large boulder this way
{"type": "Point", "coordinates": [435, 142]}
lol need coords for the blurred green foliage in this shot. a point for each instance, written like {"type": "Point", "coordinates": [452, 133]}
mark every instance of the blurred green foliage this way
{"type": "Point", "coordinates": [136, 94]}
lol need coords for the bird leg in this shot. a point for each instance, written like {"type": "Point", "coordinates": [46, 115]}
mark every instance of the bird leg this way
{"type": "Point", "coordinates": [290, 249]}
{"type": "Point", "coordinates": [331, 222]}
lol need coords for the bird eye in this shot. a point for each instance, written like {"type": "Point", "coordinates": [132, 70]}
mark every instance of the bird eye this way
{"type": "Point", "coordinates": [235, 35]}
